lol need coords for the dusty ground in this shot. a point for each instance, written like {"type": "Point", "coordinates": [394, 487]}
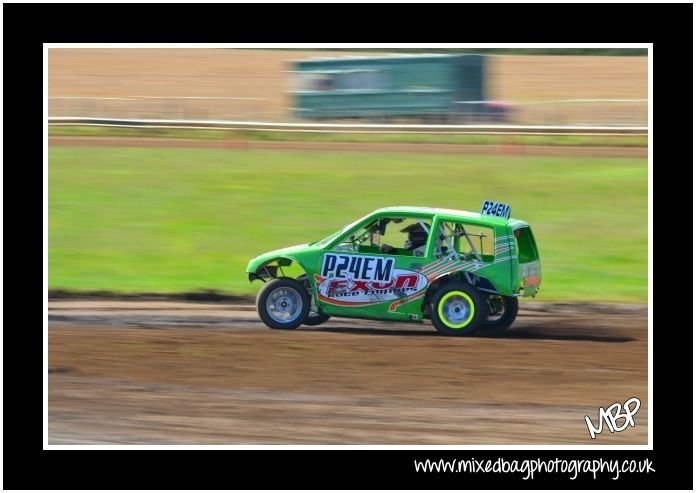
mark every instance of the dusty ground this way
{"type": "Point", "coordinates": [513, 149]}
{"type": "Point", "coordinates": [186, 373]}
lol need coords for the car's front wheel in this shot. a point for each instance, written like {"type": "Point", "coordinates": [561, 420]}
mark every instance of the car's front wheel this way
{"type": "Point", "coordinates": [283, 303]}
{"type": "Point", "coordinates": [457, 309]}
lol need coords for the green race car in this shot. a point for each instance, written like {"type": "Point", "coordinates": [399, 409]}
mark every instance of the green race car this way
{"type": "Point", "coordinates": [462, 270]}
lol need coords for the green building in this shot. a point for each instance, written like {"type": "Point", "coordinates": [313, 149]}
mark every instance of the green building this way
{"type": "Point", "coordinates": [439, 88]}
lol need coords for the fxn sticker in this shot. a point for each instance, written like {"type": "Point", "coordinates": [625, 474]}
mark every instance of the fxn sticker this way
{"type": "Point", "coordinates": [357, 280]}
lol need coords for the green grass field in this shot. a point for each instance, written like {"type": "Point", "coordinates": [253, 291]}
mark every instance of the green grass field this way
{"type": "Point", "coordinates": [170, 220]}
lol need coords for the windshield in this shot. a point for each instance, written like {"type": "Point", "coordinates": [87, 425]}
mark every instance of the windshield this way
{"type": "Point", "coordinates": [329, 239]}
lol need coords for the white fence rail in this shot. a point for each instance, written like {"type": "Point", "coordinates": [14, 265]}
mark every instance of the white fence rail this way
{"type": "Point", "coordinates": [353, 128]}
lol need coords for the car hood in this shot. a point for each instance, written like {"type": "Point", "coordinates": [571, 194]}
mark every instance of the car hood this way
{"type": "Point", "coordinates": [291, 252]}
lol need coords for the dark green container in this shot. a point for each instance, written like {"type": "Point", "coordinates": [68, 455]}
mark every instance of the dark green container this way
{"type": "Point", "coordinates": [437, 87]}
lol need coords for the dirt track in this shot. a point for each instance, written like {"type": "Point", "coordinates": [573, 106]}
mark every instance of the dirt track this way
{"type": "Point", "coordinates": [187, 373]}
{"type": "Point", "coordinates": [510, 149]}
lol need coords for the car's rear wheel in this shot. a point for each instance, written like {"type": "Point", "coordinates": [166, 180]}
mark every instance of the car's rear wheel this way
{"type": "Point", "coordinates": [283, 303]}
{"type": "Point", "coordinates": [502, 311]}
{"type": "Point", "coordinates": [315, 317]}
{"type": "Point", "coordinates": [457, 309]}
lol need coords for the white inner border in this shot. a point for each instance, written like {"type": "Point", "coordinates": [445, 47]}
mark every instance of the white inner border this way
{"type": "Point", "coordinates": [651, 404]}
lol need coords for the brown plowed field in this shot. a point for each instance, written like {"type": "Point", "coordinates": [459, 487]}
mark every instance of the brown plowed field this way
{"type": "Point", "coordinates": [264, 76]}
{"type": "Point", "coordinates": [187, 373]}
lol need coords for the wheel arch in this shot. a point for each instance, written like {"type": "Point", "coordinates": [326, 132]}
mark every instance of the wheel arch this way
{"type": "Point", "coordinates": [479, 282]}
{"type": "Point", "coordinates": [270, 268]}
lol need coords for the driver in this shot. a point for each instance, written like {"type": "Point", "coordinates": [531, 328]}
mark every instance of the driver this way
{"type": "Point", "coordinates": [415, 242]}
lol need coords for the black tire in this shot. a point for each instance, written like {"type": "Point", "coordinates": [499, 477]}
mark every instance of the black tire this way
{"type": "Point", "coordinates": [314, 317]}
{"type": "Point", "coordinates": [283, 303]}
{"type": "Point", "coordinates": [457, 309]}
{"type": "Point", "coordinates": [502, 311]}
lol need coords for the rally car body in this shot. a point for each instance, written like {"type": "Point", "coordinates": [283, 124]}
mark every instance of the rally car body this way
{"type": "Point", "coordinates": [486, 259]}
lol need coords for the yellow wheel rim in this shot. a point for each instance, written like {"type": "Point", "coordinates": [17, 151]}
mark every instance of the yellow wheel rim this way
{"type": "Point", "coordinates": [456, 309]}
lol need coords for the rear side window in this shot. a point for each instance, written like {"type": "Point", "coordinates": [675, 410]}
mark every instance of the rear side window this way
{"type": "Point", "coordinates": [526, 247]}
{"type": "Point", "coordinates": [467, 239]}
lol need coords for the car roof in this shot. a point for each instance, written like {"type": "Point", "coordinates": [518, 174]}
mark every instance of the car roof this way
{"type": "Point", "coordinates": [453, 214]}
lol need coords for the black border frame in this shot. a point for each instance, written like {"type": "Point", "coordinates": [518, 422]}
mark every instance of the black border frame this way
{"type": "Point", "coordinates": [27, 26]}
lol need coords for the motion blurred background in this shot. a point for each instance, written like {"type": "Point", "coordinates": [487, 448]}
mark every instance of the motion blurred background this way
{"type": "Point", "coordinates": [187, 210]}
{"type": "Point", "coordinates": [250, 160]}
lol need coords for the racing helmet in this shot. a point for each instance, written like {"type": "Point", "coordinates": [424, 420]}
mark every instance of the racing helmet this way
{"type": "Point", "coordinates": [417, 236]}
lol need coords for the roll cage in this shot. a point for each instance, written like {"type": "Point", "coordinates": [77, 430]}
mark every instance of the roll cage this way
{"type": "Point", "coordinates": [450, 232]}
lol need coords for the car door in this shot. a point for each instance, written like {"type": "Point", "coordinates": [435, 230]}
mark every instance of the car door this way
{"type": "Point", "coordinates": [376, 271]}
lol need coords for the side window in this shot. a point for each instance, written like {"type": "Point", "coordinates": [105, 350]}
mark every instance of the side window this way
{"type": "Point", "coordinates": [470, 241]}
{"type": "Point", "coordinates": [366, 239]}
{"type": "Point", "coordinates": [526, 247]}
{"type": "Point", "coordinates": [360, 79]}
{"type": "Point", "coordinates": [393, 235]}
{"type": "Point", "coordinates": [406, 236]}
{"type": "Point", "coordinates": [314, 81]}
